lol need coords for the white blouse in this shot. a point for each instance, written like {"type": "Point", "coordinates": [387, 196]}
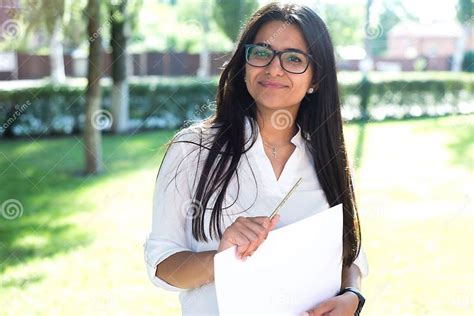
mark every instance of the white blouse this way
{"type": "Point", "coordinates": [258, 194]}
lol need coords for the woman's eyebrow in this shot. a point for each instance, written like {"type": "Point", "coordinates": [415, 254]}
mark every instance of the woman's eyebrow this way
{"type": "Point", "coordinates": [291, 49]}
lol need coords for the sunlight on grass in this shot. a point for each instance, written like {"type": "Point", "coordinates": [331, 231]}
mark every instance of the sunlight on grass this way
{"type": "Point", "coordinates": [77, 248]}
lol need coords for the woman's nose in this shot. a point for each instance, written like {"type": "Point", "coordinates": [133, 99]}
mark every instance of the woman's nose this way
{"type": "Point", "coordinates": [274, 68]}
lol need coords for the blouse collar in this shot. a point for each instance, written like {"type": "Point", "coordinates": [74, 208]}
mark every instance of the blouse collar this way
{"type": "Point", "coordinates": [297, 140]}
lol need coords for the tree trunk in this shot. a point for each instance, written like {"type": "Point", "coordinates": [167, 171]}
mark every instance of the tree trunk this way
{"type": "Point", "coordinates": [56, 57]}
{"type": "Point", "coordinates": [368, 63]}
{"type": "Point", "coordinates": [92, 132]}
{"type": "Point", "coordinates": [120, 93]}
{"type": "Point", "coordinates": [460, 47]}
{"type": "Point", "coordinates": [204, 66]}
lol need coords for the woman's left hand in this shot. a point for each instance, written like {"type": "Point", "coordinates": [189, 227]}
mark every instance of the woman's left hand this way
{"type": "Point", "coordinates": [341, 305]}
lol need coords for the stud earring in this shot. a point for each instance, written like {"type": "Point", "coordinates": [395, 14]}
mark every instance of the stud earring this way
{"type": "Point", "coordinates": [310, 90]}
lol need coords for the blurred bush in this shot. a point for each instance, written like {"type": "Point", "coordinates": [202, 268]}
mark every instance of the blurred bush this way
{"type": "Point", "coordinates": [165, 103]}
{"type": "Point", "coordinates": [468, 61]}
{"type": "Point", "coordinates": [155, 103]}
{"type": "Point", "coordinates": [404, 95]}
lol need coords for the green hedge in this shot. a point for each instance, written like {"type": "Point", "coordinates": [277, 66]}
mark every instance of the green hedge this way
{"type": "Point", "coordinates": [44, 109]}
{"type": "Point", "coordinates": [40, 108]}
{"type": "Point", "coordinates": [468, 61]}
{"type": "Point", "coordinates": [391, 97]}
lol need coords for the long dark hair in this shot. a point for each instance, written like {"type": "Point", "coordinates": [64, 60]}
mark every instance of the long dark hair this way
{"type": "Point", "coordinates": [319, 116]}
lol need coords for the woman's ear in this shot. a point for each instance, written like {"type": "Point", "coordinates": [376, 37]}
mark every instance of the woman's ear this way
{"type": "Point", "coordinates": [315, 86]}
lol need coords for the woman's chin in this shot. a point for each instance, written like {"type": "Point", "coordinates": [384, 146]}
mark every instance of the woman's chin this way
{"type": "Point", "coordinates": [273, 103]}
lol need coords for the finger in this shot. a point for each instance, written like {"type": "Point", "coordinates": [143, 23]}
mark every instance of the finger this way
{"type": "Point", "coordinates": [249, 238]}
{"type": "Point", "coordinates": [257, 227]}
{"type": "Point", "coordinates": [254, 246]}
{"type": "Point", "coordinates": [256, 230]}
{"type": "Point", "coordinates": [261, 233]}
{"type": "Point", "coordinates": [313, 312]}
{"type": "Point", "coordinates": [257, 223]}
{"type": "Point", "coordinates": [262, 220]}
{"type": "Point", "coordinates": [265, 221]}
{"type": "Point", "coordinates": [273, 223]}
{"type": "Point", "coordinates": [322, 308]}
{"type": "Point", "coordinates": [241, 237]}
{"type": "Point", "coordinates": [240, 240]}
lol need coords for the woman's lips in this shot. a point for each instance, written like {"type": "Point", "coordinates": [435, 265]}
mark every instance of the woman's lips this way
{"type": "Point", "coordinates": [271, 85]}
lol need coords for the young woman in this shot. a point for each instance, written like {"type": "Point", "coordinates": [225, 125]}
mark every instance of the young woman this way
{"type": "Point", "coordinates": [277, 119]}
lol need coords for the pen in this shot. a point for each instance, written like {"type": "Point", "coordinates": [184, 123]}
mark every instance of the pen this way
{"type": "Point", "coordinates": [275, 212]}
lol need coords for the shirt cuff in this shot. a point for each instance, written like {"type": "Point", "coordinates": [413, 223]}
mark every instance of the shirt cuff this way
{"type": "Point", "coordinates": [152, 261]}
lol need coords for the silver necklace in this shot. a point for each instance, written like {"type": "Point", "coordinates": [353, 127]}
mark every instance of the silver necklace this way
{"type": "Point", "coordinates": [274, 149]}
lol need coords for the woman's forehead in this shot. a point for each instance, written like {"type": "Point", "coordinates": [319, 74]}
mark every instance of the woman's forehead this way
{"type": "Point", "coordinates": [281, 35]}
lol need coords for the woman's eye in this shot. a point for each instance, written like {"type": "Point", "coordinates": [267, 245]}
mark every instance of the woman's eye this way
{"type": "Point", "coordinates": [261, 53]}
{"type": "Point", "coordinates": [294, 59]}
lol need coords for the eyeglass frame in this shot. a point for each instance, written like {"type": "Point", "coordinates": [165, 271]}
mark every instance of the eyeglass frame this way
{"type": "Point", "coordinates": [278, 53]}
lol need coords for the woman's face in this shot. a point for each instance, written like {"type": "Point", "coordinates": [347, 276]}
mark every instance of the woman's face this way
{"type": "Point", "coordinates": [272, 87]}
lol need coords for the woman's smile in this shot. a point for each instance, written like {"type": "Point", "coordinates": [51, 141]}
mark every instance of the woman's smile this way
{"type": "Point", "coordinates": [272, 84]}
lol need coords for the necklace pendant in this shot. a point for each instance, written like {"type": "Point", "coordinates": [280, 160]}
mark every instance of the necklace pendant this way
{"type": "Point", "coordinates": [274, 152]}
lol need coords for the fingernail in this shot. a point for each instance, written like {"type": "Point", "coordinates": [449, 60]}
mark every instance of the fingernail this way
{"type": "Point", "coordinates": [305, 314]}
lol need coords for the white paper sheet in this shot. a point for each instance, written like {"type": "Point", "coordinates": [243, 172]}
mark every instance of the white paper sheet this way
{"type": "Point", "coordinates": [294, 269]}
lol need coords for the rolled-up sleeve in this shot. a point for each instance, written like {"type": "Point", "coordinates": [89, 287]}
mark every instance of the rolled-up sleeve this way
{"type": "Point", "coordinates": [171, 202]}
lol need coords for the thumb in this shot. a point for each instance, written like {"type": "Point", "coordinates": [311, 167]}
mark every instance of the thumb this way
{"type": "Point", "coordinates": [274, 221]}
{"type": "Point", "coordinates": [322, 308]}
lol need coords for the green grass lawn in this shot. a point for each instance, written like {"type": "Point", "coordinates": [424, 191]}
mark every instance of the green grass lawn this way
{"type": "Point", "coordinates": [77, 247]}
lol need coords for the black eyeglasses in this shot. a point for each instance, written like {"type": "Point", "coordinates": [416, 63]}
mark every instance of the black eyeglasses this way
{"type": "Point", "coordinates": [292, 61]}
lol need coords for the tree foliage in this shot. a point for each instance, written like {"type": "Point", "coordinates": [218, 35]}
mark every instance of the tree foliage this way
{"type": "Point", "coordinates": [231, 15]}
{"type": "Point", "coordinates": [350, 29]}
{"type": "Point", "coordinates": [464, 11]}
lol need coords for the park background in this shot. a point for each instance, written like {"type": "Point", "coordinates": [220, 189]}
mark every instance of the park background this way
{"type": "Point", "coordinates": [91, 90]}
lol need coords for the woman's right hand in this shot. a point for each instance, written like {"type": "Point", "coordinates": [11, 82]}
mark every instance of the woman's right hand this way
{"type": "Point", "coordinates": [247, 233]}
